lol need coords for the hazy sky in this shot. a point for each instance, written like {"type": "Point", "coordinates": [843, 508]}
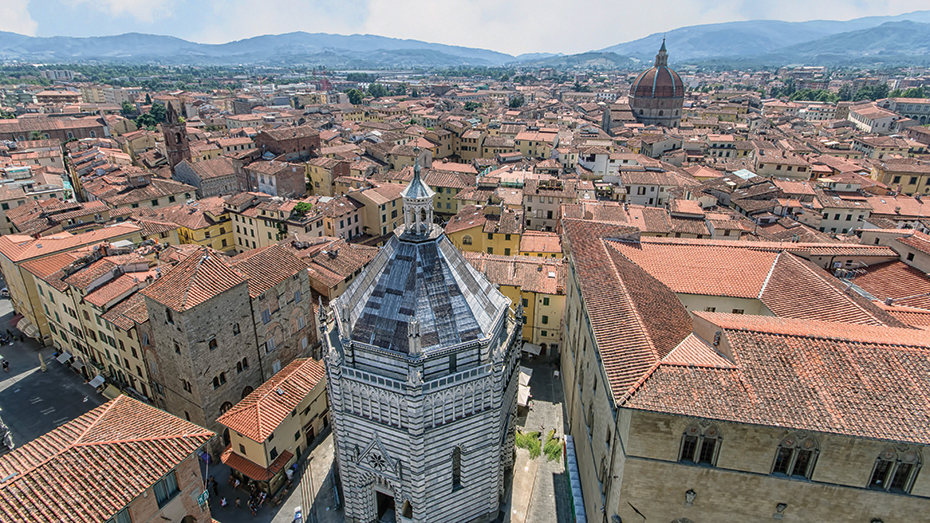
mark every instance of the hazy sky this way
{"type": "Point", "coordinates": [510, 26]}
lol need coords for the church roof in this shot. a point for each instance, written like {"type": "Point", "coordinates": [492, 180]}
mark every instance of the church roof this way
{"type": "Point", "coordinates": [429, 281]}
{"type": "Point", "coordinates": [417, 188]}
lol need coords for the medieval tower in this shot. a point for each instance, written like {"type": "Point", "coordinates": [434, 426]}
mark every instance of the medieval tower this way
{"type": "Point", "coordinates": [421, 367]}
{"type": "Point", "coordinates": [177, 146]}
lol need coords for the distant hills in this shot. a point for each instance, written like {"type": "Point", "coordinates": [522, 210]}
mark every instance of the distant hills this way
{"type": "Point", "coordinates": [889, 40]}
{"type": "Point", "coordinates": [749, 39]}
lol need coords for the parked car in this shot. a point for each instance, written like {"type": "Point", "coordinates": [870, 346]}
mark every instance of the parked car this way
{"type": "Point", "coordinates": [4, 293]}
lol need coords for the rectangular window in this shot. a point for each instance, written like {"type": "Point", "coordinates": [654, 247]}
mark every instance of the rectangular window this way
{"type": "Point", "coordinates": [546, 301]}
{"type": "Point", "coordinates": [121, 517]}
{"type": "Point", "coordinates": [266, 316]}
{"type": "Point", "coordinates": [545, 320]}
{"type": "Point", "coordinates": [166, 489]}
{"type": "Point", "coordinates": [297, 296]}
{"type": "Point", "coordinates": [269, 345]}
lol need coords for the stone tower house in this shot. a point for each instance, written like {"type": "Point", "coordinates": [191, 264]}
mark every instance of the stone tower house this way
{"type": "Point", "coordinates": [421, 363]}
{"type": "Point", "coordinates": [177, 146]}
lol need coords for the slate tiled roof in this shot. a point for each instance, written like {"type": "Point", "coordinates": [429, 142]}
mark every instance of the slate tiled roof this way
{"type": "Point", "coordinates": [865, 381]}
{"type": "Point", "coordinates": [260, 413]}
{"type": "Point", "coordinates": [90, 468]}
{"type": "Point", "coordinates": [201, 276]}
{"type": "Point", "coordinates": [428, 281]}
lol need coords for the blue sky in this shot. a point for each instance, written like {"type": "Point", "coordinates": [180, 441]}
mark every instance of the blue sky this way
{"type": "Point", "coordinates": [510, 26]}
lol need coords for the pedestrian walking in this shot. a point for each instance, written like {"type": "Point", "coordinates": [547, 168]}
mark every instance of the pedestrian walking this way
{"type": "Point", "coordinates": [237, 503]}
{"type": "Point", "coordinates": [223, 502]}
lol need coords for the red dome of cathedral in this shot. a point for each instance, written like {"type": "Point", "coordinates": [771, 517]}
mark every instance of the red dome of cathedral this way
{"type": "Point", "coordinates": [659, 81]}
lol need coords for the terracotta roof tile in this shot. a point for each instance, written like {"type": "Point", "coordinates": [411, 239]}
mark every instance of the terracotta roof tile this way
{"type": "Point", "coordinates": [90, 468]}
{"type": "Point", "coordinates": [866, 381]}
{"type": "Point", "coordinates": [199, 277]}
{"type": "Point", "coordinates": [262, 411]}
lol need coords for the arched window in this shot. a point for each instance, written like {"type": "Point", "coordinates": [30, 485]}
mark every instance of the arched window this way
{"type": "Point", "coordinates": [246, 391]}
{"type": "Point", "coordinates": [456, 467]}
{"type": "Point", "coordinates": [701, 447]}
{"type": "Point", "coordinates": [177, 138]}
{"type": "Point", "coordinates": [407, 509]}
{"type": "Point", "coordinates": [796, 457]}
{"type": "Point", "coordinates": [168, 316]}
{"type": "Point", "coordinates": [466, 240]}
{"type": "Point", "coordinates": [238, 367]}
{"type": "Point", "coordinates": [216, 383]}
{"type": "Point", "coordinates": [640, 111]}
{"type": "Point", "coordinates": [212, 344]}
{"type": "Point", "coordinates": [661, 112]}
{"type": "Point", "coordinates": [225, 407]}
{"type": "Point", "coordinates": [895, 470]}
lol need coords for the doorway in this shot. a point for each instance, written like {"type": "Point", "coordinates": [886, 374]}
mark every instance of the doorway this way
{"type": "Point", "coordinates": [385, 507]}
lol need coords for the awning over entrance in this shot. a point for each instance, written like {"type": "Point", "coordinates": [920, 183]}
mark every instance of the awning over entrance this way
{"type": "Point", "coordinates": [111, 392]}
{"type": "Point", "coordinates": [78, 365]}
{"type": "Point", "coordinates": [96, 382]}
{"type": "Point", "coordinates": [26, 327]}
{"type": "Point", "coordinates": [252, 469]}
{"type": "Point", "coordinates": [529, 348]}
{"type": "Point", "coordinates": [523, 390]}
{"type": "Point", "coordinates": [63, 357]}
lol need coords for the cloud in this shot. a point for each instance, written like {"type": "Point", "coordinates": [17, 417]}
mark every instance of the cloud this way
{"type": "Point", "coordinates": [15, 17]}
{"type": "Point", "coordinates": [146, 11]}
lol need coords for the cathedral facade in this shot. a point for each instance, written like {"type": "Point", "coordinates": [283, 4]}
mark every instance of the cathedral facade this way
{"type": "Point", "coordinates": [422, 365]}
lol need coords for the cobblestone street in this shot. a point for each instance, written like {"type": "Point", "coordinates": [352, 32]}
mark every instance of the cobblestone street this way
{"type": "Point", "coordinates": [550, 501]}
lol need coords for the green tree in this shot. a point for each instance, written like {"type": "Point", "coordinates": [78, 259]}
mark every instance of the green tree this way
{"type": "Point", "coordinates": [148, 99]}
{"type": "Point", "coordinates": [127, 108]}
{"type": "Point", "coordinates": [377, 90]}
{"type": "Point", "coordinates": [471, 106]}
{"type": "Point", "coordinates": [355, 96]}
{"type": "Point", "coordinates": [400, 90]}
{"type": "Point", "coordinates": [414, 93]}
{"type": "Point", "coordinates": [146, 121]}
{"type": "Point", "coordinates": [516, 101]}
{"type": "Point", "coordinates": [302, 208]}
{"type": "Point", "coordinates": [846, 93]}
{"type": "Point", "coordinates": [6, 115]}
{"type": "Point", "coordinates": [36, 135]}
{"type": "Point", "coordinates": [158, 112]}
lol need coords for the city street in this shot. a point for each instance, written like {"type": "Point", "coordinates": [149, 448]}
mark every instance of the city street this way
{"type": "Point", "coordinates": [33, 402]}
{"type": "Point", "coordinates": [314, 496]}
{"type": "Point", "coordinates": [550, 501]}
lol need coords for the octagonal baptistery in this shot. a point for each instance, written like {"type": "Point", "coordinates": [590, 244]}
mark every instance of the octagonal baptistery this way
{"type": "Point", "coordinates": [657, 95]}
{"type": "Point", "coordinates": [422, 374]}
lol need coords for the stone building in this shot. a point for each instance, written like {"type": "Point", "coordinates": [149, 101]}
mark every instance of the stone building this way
{"type": "Point", "coordinates": [657, 95]}
{"type": "Point", "coordinates": [220, 328]}
{"type": "Point", "coordinates": [730, 417]}
{"type": "Point", "coordinates": [421, 371]}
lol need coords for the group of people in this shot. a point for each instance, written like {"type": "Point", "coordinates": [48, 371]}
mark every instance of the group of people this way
{"type": "Point", "coordinates": [256, 496]}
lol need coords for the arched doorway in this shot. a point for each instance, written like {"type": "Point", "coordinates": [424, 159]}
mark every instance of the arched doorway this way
{"type": "Point", "coordinates": [246, 391]}
{"type": "Point", "coordinates": [226, 438]}
{"type": "Point", "coordinates": [189, 519]}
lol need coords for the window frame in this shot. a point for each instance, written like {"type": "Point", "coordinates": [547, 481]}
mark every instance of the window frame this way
{"type": "Point", "coordinates": [793, 447]}
{"type": "Point", "coordinates": [700, 438]}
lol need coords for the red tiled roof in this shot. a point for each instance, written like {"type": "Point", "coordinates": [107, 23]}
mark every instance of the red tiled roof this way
{"type": "Point", "coordinates": [267, 267]}
{"type": "Point", "coordinates": [908, 286]}
{"type": "Point", "coordinates": [260, 413]}
{"type": "Point", "coordinates": [201, 276]}
{"type": "Point", "coordinates": [92, 467]}
{"type": "Point", "coordinates": [635, 318]}
{"type": "Point", "coordinates": [18, 248]}
{"type": "Point", "coordinates": [865, 381]}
